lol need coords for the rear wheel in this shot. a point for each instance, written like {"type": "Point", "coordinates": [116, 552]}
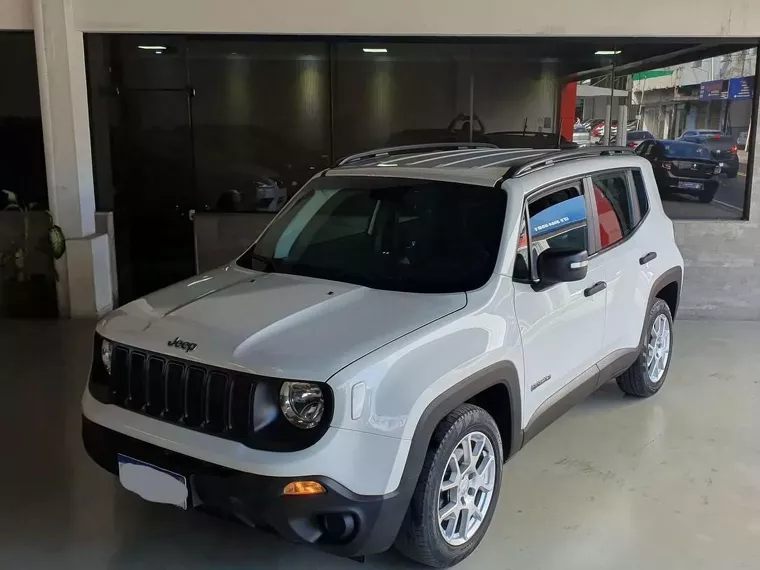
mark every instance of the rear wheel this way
{"type": "Point", "coordinates": [646, 376]}
{"type": "Point", "coordinates": [707, 197]}
{"type": "Point", "coordinates": [457, 491]}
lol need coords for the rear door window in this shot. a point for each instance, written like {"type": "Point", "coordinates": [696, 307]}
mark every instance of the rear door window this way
{"type": "Point", "coordinates": [614, 207]}
{"type": "Point", "coordinates": [674, 149]}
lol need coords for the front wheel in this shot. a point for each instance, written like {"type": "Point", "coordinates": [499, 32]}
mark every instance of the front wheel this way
{"type": "Point", "coordinates": [646, 376]}
{"type": "Point", "coordinates": [457, 491]}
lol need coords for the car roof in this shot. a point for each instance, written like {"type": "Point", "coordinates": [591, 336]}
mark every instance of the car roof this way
{"type": "Point", "coordinates": [474, 164]}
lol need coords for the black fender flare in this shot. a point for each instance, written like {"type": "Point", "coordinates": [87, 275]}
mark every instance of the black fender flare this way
{"type": "Point", "coordinates": [672, 275]}
{"type": "Point", "coordinates": [504, 373]}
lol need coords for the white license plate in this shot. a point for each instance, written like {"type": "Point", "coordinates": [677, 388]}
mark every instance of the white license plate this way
{"type": "Point", "coordinates": [153, 483]}
{"type": "Point", "coordinates": [690, 185]}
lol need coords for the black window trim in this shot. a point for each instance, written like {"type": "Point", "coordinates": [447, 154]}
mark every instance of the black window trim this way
{"type": "Point", "coordinates": [629, 177]}
{"type": "Point", "coordinates": [532, 197]}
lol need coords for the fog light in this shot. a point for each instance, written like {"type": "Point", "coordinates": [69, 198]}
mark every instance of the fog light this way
{"type": "Point", "coordinates": [303, 488]}
{"type": "Point", "coordinates": [338, 527]}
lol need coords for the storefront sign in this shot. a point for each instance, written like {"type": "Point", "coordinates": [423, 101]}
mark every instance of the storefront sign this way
{"type": "Point", "coordinates": [712, 89]}
{"type": "Point", "coordinates": [741, 87]}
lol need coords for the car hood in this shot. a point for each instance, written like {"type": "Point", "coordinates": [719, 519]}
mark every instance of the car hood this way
{"type": "Point", "coordinates": [272, 324]}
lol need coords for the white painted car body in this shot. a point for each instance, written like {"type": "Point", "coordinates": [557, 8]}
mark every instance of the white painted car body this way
{"type": "Point", "coordinates": [389, 356]}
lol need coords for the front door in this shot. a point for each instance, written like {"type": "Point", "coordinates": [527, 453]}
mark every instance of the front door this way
{"type": "Point", "coordinates": [154, 178]}
{"type": "Point", "coordinates": [562, 325]}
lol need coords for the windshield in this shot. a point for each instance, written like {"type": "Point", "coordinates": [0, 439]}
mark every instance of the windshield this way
{"type": "Point", "coordinates": [386, 233]}
{"type": "Point", "coordinates": [685, 150]}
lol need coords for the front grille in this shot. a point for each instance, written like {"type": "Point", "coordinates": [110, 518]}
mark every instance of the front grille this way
{"type": "Point", "coordinates": [217, 401]}
{"type": "Point", "coordinates": [213, 400]}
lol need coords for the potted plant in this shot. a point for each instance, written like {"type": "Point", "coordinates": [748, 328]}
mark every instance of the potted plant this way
{"type": "Point", "coordinates": [27, 271]}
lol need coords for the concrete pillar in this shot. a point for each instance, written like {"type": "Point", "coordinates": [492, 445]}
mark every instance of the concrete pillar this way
{"type": "Point", "coordinates": [84, 287]}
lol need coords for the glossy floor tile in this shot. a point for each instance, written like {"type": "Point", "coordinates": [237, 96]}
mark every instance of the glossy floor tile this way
{"type": "Point", "coordinates": [668, 483]}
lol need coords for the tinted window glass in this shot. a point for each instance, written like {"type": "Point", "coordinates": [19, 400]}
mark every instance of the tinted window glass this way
{"type": "Point", "coordinates": [685, 150]}
{"type": "Point", "coordinates": [639, 135]}
{"type": "Point", "coordinates": [614, 207]}
{"type": "Point", "coordinates": [387, 233]}
{"type": "Point", "coordinates": [557, 221]}
{"type": "Point", "coordinates": [261, 120]}
{"type": "Point", "coordinates": [641, 192]}
{"type": "Point", "coordinates": [22, 154]}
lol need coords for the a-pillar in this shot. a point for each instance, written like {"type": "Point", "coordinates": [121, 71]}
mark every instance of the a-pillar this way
{"type": "Point", "coordinates": [84, 286]}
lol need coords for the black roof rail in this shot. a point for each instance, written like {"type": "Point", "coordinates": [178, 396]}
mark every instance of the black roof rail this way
{"type": "Point", "coordinates": [409, 149]}
{"type": "Point", "coordinates": [558, 156]}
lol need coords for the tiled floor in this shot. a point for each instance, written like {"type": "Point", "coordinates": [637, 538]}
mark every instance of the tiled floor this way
{"type": "Point", "coordinates": [617, 484]}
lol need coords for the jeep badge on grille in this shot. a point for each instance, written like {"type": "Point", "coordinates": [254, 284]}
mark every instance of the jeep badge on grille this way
{"type": "Point", "coordinates": [182, 344]}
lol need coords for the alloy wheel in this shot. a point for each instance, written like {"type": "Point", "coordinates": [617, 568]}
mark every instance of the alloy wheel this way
{"type": "Point", "coordinates": [658, 349]}
{"type": "Point", "coordinates": [466, 488]}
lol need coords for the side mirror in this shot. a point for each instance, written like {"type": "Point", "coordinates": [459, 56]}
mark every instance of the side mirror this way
{"type": "Point", "coordinates": [562, 266]}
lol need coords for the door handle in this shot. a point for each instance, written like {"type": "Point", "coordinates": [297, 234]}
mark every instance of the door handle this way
{"type": "Point", "coordinates": [647, 258]}
{"type": "Point", "coordinates": [595, 288]}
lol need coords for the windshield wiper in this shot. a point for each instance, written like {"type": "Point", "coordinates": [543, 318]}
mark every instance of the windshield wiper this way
{"type": "Point", "coordinates": [270, 264]}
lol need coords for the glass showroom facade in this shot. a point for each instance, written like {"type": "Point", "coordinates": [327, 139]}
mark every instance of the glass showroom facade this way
{"type": "Point", "coordinates": [191, 130]}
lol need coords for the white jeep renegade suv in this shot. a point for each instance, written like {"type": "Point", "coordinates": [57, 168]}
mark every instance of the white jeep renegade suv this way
{"type": "Point", "coordinates": [358, 378]}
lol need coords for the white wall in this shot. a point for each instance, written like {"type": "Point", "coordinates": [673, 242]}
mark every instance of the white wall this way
{"type": "Point", "coordinates": [16, 15]}
{"type": "Point", "coordinates": [731, 18]}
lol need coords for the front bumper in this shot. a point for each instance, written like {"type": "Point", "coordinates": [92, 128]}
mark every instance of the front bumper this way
{"type": "Point", "coordinates": [337, 521]}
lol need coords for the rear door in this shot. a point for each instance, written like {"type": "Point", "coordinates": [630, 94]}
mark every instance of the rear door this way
{"type": "Point", "coordinates": [620, 206]}
{"type": "Point", "coordinates": [561, 325]}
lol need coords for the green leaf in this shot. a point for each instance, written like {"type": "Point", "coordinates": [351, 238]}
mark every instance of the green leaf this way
{"type": "Point", "coordinates": [11, 196]}
{"type": "Point", "coordinates": [57, 242]}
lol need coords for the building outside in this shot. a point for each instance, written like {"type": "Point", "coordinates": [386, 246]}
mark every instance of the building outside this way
{"type": "Point", "coordinates": [151, 130]}
{"type": "Point", "coordinates": [712, 93]}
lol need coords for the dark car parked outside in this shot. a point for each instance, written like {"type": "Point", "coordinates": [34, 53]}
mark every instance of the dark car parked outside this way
{"type": "Point", "coordinates": [682, 167]}
{"type": "Point", "coordinates": [529, 139]}
{"type": "Point", "coordinates": [723, 148]}
{"type": "Point", "coordinates": [635, 138]}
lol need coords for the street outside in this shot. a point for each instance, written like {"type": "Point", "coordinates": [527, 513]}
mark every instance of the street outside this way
{"type": "Point", "coordinates": [727, 204]}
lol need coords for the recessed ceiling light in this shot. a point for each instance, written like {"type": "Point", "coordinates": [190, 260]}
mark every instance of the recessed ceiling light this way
{"type": "Point", "coordinates": [608, 52]}
{"type": "Point", "coordinates": [152, 48]}
{"type": "Point", "coordinates": [375, 50]}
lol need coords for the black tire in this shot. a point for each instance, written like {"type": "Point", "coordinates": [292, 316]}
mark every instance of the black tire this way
{"type": "Point", "coordinates": [635, 381]}
{"type": "Point", "coordinates": [706, 198]}
{"type": "Point", "coordinates": [420, 538]}
{"type": "Point", "coordinates": [732, 174]}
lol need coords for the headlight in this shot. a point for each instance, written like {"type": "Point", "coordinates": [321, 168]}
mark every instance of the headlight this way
{"type": "Point", "coordinates": [302, 404]}
{"type": "Point", "coordinates": [106, 351]}
{"type": "Point", "coordinates": [717, 169]}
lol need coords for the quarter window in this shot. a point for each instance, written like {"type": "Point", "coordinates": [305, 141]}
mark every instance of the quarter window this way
{"type": "Point", "coordinates": [641, 193]}
{"type": "Point", "coordinates": [614, 207]}
{"type": "Point", "coordinates": [556, 220]}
